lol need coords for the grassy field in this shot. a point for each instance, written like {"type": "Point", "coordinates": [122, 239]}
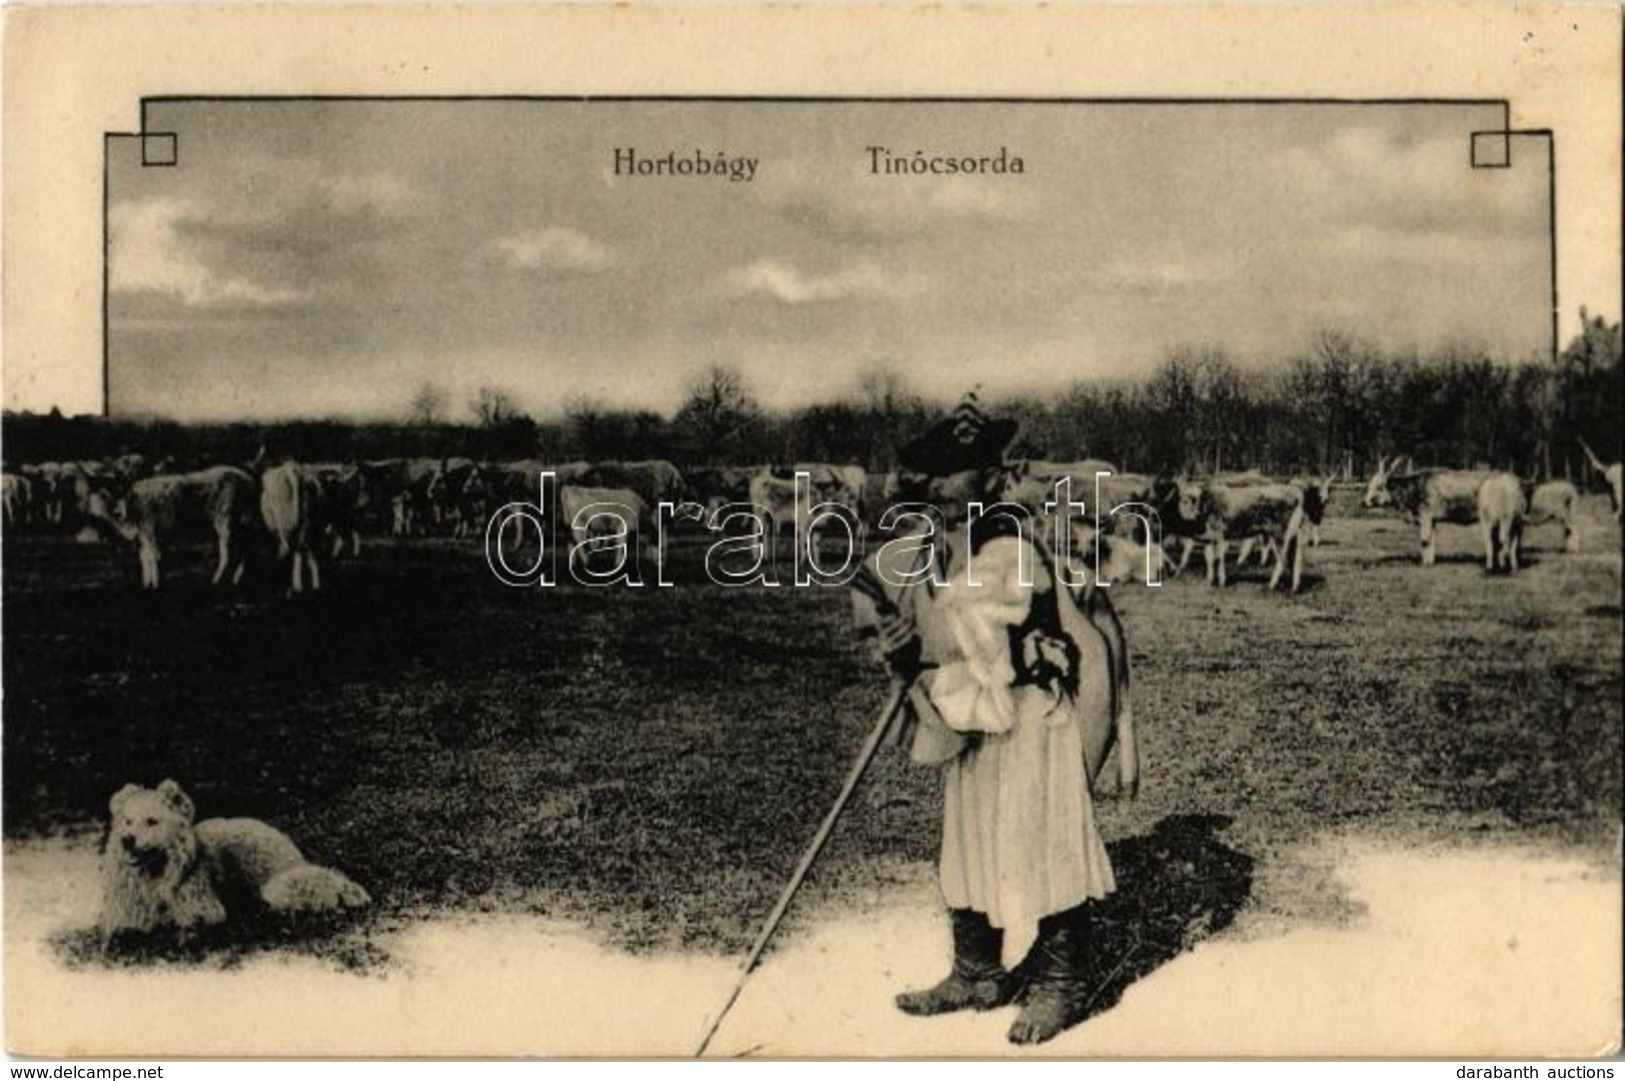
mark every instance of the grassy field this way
{"type": "Point", "coordinates": [652, 761]}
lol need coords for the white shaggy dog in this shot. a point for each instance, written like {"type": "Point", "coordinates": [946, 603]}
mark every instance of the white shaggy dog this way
{"type": "Point", "coordinates": [162, 871]}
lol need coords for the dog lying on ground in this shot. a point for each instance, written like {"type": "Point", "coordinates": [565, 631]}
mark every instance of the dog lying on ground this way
{"type": "Point", "coordinates": [161, 871]}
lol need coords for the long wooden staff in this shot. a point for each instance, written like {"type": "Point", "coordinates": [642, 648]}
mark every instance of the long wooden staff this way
{"type": "Point", "coordinates": [899, 695]}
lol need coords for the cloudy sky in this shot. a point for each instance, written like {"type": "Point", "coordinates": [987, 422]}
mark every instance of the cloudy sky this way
{"type": "Point", "coordinates": [317, 259]}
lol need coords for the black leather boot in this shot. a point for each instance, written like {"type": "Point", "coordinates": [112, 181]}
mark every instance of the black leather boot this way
{"type": "Point", "coordinates": [979, 980]}
{"type": "Point", "coordinates": [1057, 996]}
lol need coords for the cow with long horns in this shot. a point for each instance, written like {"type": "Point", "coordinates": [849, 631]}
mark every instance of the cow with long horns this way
{"type": "Point", "coordinates": [1494, 501]}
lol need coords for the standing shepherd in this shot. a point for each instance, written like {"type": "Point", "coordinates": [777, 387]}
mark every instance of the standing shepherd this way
{"type": "Point", "coordinates": [1019, 691]}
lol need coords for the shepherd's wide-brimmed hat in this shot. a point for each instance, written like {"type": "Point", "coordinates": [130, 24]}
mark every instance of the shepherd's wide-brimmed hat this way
{"type": "Point", "coordinates": [968, 439]}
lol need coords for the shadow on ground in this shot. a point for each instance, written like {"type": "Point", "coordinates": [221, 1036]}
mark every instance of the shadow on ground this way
{"type": "Point", "coordinates": [1176, 886]}
{"type": "Point", "coordinates": [1526, 561]}
{"type": "Point", "coordinates": [339, 940]}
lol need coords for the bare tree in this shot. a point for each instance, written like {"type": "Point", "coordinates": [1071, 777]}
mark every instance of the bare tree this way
{"type": "Point", "coordinates": [595, 430]}
{"type": "Point", "coordinates": [888, 412]}
{"type": "Point", "coordinates": [492, 406]}
{"type": "Point", "coordinates": [882, 391]}
{"type": "Point", "coordinates": [583, 415]}
{"type": "Point", "coordinates": [1217, 383]}
{"type": "Point", "coordinates": [1171, 398]}
{"type": "Point", "coordinates": [1589, 371]}
{"type": "Point", "coordinates": [428, 405]}
{"type": "Point", "coordinates": [718, 414]}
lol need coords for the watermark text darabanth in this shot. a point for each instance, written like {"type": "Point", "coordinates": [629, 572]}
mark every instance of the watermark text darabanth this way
{"type": "Point", "coordinates": [617, 541]}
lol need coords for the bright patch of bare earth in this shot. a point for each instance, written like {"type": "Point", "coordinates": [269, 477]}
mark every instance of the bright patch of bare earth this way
{"type": "Point", "coordinates": [1420, 965]}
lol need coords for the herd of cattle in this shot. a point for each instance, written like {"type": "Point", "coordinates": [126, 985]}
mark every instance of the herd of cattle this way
{"type": "Point", "coordinates": [310, 514]}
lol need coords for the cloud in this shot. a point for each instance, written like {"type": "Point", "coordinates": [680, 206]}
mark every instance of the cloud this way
{"type": "Point", "coordinates": [151, 252]}
{"type": "Point", "coordinates": [987, 200]}
{"type": "Point", "coordinates": [1147, 277]}
{"type": "Point", "coordinates": [374, 193]}
{"type": "Point", "coordinates": [264, 234]}
{"type": "Point", "coordinates": [1455, 247]}
{"type": "Point", "coordinates": [848, 221]}
{"type": "Point", "coordinates": [784, 283]}
{"type": "Point", "coordinates": [1373, 161]}
{"type": "Point", "coordinates": [295, 223]}
{"type": "Point", "coordinates": [262, 197]}
{"type": "Point", "coordinates": [1388, 177]}
{"type": "Point", "coordinates": [554, 248]}
{"type": "Point", "coordinates": [887, 208]}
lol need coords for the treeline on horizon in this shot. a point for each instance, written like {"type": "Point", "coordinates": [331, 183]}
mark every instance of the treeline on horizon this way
{"type": "Point", "coordinates": [1332, 408]}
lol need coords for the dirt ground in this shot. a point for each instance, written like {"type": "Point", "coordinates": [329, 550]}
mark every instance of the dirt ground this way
{"type": "Point", "coordinates": [1424, 967]}
{"type": "Point", "coordinates": [1381, 816]}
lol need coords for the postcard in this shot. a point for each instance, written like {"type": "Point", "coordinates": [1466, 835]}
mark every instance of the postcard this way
{"type": "Point", "coordinates": [1088, 532]}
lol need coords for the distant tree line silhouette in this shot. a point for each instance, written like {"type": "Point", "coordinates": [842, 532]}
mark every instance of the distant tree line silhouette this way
{"type": "Point", "coordinates": [1333, 406]}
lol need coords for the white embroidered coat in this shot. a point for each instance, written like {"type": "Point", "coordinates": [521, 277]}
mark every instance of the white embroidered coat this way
{"type": "Point", "coordinates": [1019, 697]}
